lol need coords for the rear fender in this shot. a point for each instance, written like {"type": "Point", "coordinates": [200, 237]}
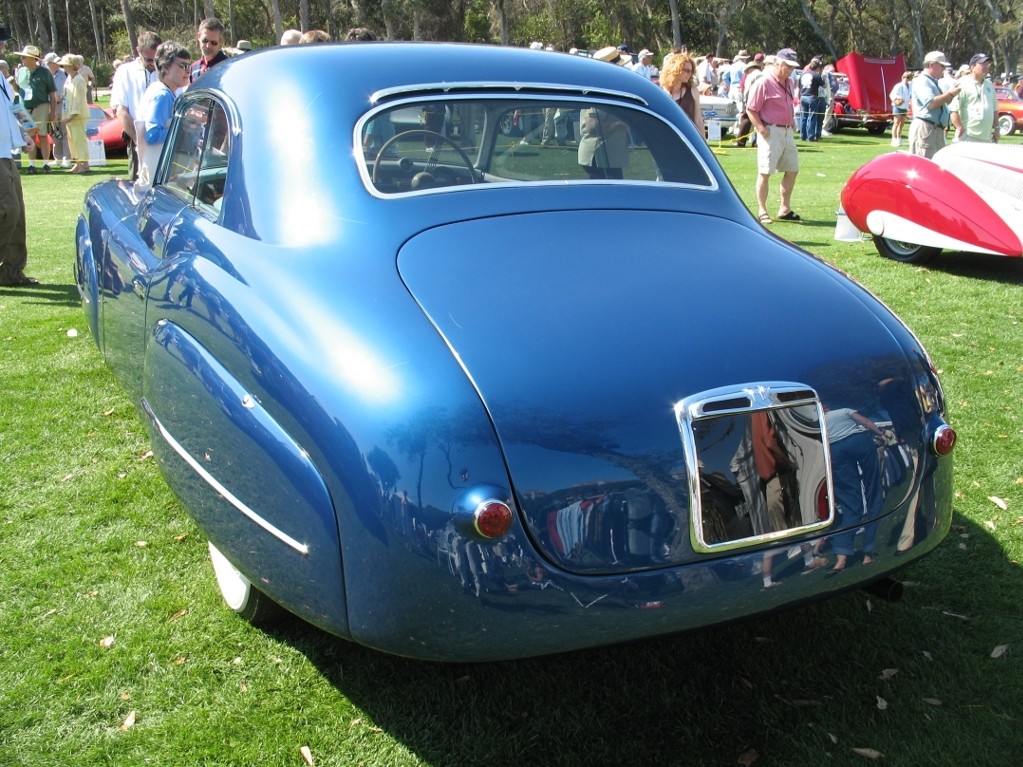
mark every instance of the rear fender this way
{"type": "Point", "coordinates": [250, 486]}
{"type": "Point", "coordinates": [910, 198]}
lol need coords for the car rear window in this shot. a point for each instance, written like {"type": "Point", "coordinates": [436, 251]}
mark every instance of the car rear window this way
{"type": "Point", "coordinates": [436, 144]}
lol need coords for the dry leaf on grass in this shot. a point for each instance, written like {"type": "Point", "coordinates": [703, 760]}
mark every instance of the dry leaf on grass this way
{"type": "Point", "coordinates": [954, 615]}
{"type": "Point", "coordinates": [888, 673]}
{"type": "Point", "coordinates": [307, 755]}
{"type": "Point", "coordinates": [183, 611]}
{"type": "Point", "coordinates": [999, 651]}
{"type": "Point", "coordinates": [868, 753]}
{"type": "Point", "coordinates": [933, 702]}
{"type": "Point", "coordinates": [145, 456]}
{"type": "Point", "coordinates": [882, 704]}
{"type": "Point", "coordinates": [998, 502]}
{"type": "Point", "coordinates": [129, 722]}
{"type": "Point", "coordinates": [748, 757]}
{"type": "Point", "coordinates": [107, 642]}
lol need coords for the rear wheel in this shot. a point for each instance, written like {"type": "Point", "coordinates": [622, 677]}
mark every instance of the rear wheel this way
{"type": "Point", "coordinates": [906, 252]}
{"type": "Point", "coordinates": [876, 130]}
{"type": "Point", "coordinates": [241, 596]}
{"type": "Point", "coordinates": [1006, 125]}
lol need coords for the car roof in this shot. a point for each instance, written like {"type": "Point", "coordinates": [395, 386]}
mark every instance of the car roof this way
{"type": "Point", "coordinates": [363, 71]}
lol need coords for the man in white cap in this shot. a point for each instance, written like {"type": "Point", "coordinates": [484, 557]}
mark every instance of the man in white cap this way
{"type": "Point", "coordinates": [13, 252]}
{"type": "Point", "coordinates": [645, 65]}
{"type": "Point", "coordinates": [769, 106]}
{"type": "Point", "coordinates": [974, 113]}
{"type": "Point", "coordinates": [931, 114]}
{"type": "Point", "coordinates": [40, 97]}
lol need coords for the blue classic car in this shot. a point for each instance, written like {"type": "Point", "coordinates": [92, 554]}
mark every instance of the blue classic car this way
{"type": "Point", "coordinates": [460, 393]}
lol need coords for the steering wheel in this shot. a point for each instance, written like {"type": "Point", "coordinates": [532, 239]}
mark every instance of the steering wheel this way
{"type": "Point", "coordinates": [425, 178]}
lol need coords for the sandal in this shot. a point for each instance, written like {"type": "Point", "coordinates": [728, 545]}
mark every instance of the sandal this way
{"type": "Point", "coordinates": [790, 216]}
{"type": "Point", "coordinates": [766, 219]}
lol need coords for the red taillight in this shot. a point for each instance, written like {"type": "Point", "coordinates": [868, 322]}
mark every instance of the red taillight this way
{"type": "Point", "coordinates": [944, 440]}
{"type": "Point", "coordinates": [823, 507]}
{"type": "Point", "coordinates": [492, 518]}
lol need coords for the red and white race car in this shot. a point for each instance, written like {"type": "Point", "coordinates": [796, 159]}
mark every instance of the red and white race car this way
{"type": "Point", "coordinates": [968, 197]}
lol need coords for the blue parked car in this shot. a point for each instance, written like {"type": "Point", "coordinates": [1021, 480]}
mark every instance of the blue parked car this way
{"type": "Point", "coordinates": [462, 395]}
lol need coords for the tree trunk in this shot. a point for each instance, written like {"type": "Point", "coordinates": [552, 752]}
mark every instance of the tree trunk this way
{"type": "Point", "coordinates": [303, 15]}
{"type": "Point", "coordinates": [387, 11]}
{"type": "Point", "coordinates": [97, 33]}
{"type": "Point", "coordinates": [208, 9]}
{"type": "Point", "coordinates": [676, 25]}
{"type": "Point", "coordinates": [811, 18]}
{"type": "Point", "coordinates": [129, 25]}
{"type": "Point", "coordinates": [54, 36]}
{"type": "Point", "coordinates": [278, 24]}
{"type": "Point", "coordinates": [503, 33]}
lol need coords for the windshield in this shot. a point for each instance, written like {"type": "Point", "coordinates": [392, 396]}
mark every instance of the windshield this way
{"type": "Point", "coordinates": [438, 144]}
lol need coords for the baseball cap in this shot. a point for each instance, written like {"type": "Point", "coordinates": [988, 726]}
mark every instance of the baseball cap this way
{"type": "Point", "coordinates": [787, 56]}
{"type": "Point", "coordinates": [979, 58]}
{"type": "Point", "coordinates": [936, 57]}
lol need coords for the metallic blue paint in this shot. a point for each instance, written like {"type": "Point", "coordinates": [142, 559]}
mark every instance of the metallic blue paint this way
{"type": "Point", "coordinates": [324, 367]}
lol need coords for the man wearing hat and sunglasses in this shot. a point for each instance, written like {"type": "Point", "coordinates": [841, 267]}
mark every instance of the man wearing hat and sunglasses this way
{"type": "Point", "coordinates": [39, 94]}
{"type": "Point", "coordinates": [13, 253]}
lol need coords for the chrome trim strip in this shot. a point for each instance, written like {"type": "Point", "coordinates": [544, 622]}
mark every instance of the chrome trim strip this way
{"type": "Point", "coordinates": [732, 400]}
{"type": "Point", "coordinates": [178, 448]}
{"type": "Point", "coordinates": [507, 87]}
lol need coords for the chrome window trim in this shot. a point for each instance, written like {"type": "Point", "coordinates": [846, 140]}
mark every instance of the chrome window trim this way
{"type": "Point", "coordinates": [471, 88]}
{"type": "Point", "coordinates": [212, 481]}
{"type": "Point", "coordinates": [417, 96]}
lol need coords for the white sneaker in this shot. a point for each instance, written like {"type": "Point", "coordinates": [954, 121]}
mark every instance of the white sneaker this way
{"type": "Point", "coordinates": [65, 164]}
{"type": "Point", "coordinates": [825, 133]}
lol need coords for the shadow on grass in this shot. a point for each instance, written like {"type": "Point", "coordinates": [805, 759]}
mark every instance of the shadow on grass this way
{"type": "Point", "coordinates": [799, 687]}
{"type": "Point", "coordinates": [980, 266]}
{"type": "Point", "coordinates": [61, 295]}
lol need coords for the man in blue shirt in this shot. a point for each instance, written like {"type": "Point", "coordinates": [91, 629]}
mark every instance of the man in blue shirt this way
{"type": "Point", "coordinates": [931, 113]}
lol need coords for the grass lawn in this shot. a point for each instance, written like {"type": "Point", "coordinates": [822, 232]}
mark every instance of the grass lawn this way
{"type": "Point", "coordinates": [115, 648]}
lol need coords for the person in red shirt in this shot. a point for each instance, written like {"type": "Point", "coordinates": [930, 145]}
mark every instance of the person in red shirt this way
{"type": "Point", "coordinates": [211, 44]}
{"type": "Point", "coordinates": [769, 106]}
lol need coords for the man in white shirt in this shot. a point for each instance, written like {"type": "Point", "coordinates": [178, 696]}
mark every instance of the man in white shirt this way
{"type": "Point", "coordinates": [645, 65]}
{"type": "Point", "coordinates": [13, 251]}
{"type": "Point", "coordinates": [130, 83]}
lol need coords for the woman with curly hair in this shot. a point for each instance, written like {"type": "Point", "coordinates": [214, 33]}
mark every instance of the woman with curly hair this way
{"type": "Point", "coordinates": [678, 78]}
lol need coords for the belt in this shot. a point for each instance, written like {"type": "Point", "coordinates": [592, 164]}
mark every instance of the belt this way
{"type": "Point", "coordinates": [931, 122]}
{"type": "Point", "coordinates": [776, 125]}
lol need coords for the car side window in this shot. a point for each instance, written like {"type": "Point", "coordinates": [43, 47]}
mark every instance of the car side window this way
{"type": "Point", "coordinates": [196, 167]}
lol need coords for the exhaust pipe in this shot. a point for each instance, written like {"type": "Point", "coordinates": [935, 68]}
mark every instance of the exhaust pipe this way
{"type": "Point", "coordinates": [887, 589]}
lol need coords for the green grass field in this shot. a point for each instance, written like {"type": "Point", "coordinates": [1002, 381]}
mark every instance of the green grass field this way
{"type": "Point", "coordinates": [115, 648]}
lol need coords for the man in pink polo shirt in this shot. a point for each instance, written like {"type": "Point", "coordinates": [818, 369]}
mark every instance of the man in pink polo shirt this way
{"type": "Point", "coordinates": [770, 109]}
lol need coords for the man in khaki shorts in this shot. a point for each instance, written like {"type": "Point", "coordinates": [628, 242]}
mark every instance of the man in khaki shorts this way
{"type": "Point", "coordinates": [39, 95]}
{"type": "Point", "coordinates": [770, 109]}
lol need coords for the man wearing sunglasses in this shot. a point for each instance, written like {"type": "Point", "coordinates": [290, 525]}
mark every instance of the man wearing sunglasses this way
{"type": "Point", "coordinates": [211, 45]}
{"type": "Point", "coordinates": [130, 83]}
